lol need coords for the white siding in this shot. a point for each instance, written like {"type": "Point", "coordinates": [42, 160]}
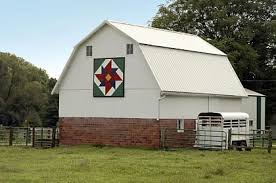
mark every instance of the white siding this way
{"type": "Point", "coordinates": [182, 107]}
{"type": "Point", "coordinates": [135, 104]}
{"type": "Point", "coordinates": [188, 107]}
{"type": "Point", "coordinates": [263, 113]}
{"type": "Point", "coordinates": [218, 104]}
{"type": "Point", "coordinates": [249, 105]}
{"type": "Point", "coordinates": [141, 89]}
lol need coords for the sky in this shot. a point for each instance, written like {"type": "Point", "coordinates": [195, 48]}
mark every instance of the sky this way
{"type": "Point", "coordinates": [44, 32]}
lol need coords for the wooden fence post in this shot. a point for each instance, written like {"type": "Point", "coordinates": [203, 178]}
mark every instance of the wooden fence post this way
{"type": "Point", "coordinates": [41, 137]}
{"type": "Point", "coordinates": [27, 135]}
{"type": "Point", "coordinates": [10, 136]}
{"type": "Point", "coordinates": [33, 137]}
{"type": "Point", "coordinates": [53, 136]}
{"type": "Point", "coordinates": [254, 132]}
{"type": "Point", "coordinates": [163, 138]}
{"type": "Point", "coordinates": [263, 138]}
{"type": "Point", "coordinates": [229, 139]}
{"type": "Point", "coordinates": [269, 141]}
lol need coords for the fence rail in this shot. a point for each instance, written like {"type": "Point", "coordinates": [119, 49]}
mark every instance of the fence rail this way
{"type": "Point", "coordinates": [256, 139]}
{"type": "Point", "coordinates": [215, 139]}
{"type": "Point", "coordinates": [26, 136]}
{"type": "Point", "coordinates": [202, 139]}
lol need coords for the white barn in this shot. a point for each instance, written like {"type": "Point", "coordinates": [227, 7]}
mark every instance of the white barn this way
{"type": "Point", "coordinates": [123, 83]}
{"type": "Point", "coordinates": [254, 105]}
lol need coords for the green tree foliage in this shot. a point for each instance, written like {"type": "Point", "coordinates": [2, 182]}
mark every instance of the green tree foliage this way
{"type": "Point", "coordinates": [51, 114]}
{"type": "Point", "coordinates": [24, 92]}
{"type": "Point", "coordinates": [244, 29]}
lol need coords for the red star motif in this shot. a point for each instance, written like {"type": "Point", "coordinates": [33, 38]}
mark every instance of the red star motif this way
{"type": "Point", "coordinates": [108, 77]}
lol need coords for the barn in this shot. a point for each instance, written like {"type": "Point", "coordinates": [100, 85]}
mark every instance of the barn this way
{"type": "Point", "coordinates": [254, 105]}
{"type": "Point", "coordinates": [123, 83]}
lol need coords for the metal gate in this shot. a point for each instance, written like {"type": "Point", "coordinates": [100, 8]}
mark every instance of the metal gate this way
{"type": "Point", "coordinates": [257, 139]}
{"type": "Point", "coordinates": [214, 139]}
{"type": "Point", "coordinates": [188, 138]}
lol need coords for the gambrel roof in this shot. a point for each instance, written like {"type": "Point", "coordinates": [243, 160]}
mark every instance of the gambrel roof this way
{"type": "Point", "coordinates": [181, 63]}
{"type": "Point", "coordinates": [168, 39]}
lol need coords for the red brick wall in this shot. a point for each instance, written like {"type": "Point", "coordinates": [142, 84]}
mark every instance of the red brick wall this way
{"type": "Point", "coordinates": [110, 131]}
{"type": "Point", "coordinates": [123, 132]}
{"type": "Point", "coordinates": [173, 138]}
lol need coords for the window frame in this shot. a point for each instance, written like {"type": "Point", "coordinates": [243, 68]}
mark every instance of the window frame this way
{"type": "Point", "coordinates": [89, 50]}
{"type": "Point", "coordinates": [129, 49]}
{"type": "Point", "coordinates": [180, 125]}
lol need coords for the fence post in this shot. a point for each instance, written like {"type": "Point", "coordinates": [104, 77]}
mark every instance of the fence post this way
{"type": "Point", "coordinates": [254, 132]}
{"type": "Point", "coordinates": [269, 141]}
{"type": "Point", "coordinates": [27, 135]}
{"type": "Point", "coordinates": [41, 137]}
{"type": "Point", "coordinates": [263, 136]}
{"type": "Point", "coordinates": [53, 136]}
{"type": "Point", "coordinates": [33, 137]}
{"type": "Point", "coordinates": [229, 139]}
{"type": "Point", "coordinates": [10, 136]}
{"type": "Point", "coordinates": [163, 138]}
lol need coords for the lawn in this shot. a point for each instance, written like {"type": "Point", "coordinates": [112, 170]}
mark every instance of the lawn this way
{"type": "Point", "coordinates": [107, 164]}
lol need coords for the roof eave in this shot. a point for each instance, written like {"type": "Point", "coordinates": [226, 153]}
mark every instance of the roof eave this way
{"type": "Point", "coordinates": [66, 67]}
{"type": "Point", "coordinates": [254, 93]}
{"type": "Point", "coordinates": [218, 54]}
{"type": "Point", "coordinates": [176, 93]}
{"type": "Point", "coordinates": [68, 63]}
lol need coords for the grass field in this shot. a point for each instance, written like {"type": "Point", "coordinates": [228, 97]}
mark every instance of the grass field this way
{"type": "Point", "coordinates": [95, 164]}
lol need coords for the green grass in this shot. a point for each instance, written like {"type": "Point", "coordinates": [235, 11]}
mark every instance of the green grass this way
{"type": "Point", "coordinates": [107, 164]}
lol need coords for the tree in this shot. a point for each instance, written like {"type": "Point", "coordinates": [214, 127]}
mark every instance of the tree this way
{"type": "Point", "coordinates": [51, 116]}
{"type": "Point", "coordinates": [24, 92]}
{"type": "Point", "coordinates": [244, 29]}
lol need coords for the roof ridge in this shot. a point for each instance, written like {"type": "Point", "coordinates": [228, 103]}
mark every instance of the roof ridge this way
{"type": "Point", "coordinates": [148, 27]}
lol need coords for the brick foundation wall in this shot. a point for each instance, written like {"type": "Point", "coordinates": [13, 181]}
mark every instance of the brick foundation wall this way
{"type": "Point", "coordinates": [110, 131]}
{"type": "Point", "coordinates": [126, 132]}
{"type": "Point", "coordinates": [178, 139]}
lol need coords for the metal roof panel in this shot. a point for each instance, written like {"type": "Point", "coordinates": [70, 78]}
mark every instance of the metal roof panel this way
{"type": "Point", "coordinates": [166, 38]}
{"type": "Point", "coordinates": [190, 72]}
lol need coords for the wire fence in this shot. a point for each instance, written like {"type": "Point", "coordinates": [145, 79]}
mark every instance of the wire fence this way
{"type": "Point", "coordinates": [170, 138]}
{"type": "Point", "coordinates": [26, 136]}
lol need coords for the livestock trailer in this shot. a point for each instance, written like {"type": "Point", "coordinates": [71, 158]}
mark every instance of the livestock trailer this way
{"type": "Point", "coordinates": [212, 129]}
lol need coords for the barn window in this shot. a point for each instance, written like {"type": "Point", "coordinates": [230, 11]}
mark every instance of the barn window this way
{"type": "Point", "coordinates": [89, 51]}
{"type": "Point", "coordinates": [129, 49]}
{"type": "Point", "coordinates": [180, 125]}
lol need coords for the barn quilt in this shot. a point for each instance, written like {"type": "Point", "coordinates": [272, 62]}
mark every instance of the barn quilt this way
{"type": "Point", "coordinates": [109, 77]}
